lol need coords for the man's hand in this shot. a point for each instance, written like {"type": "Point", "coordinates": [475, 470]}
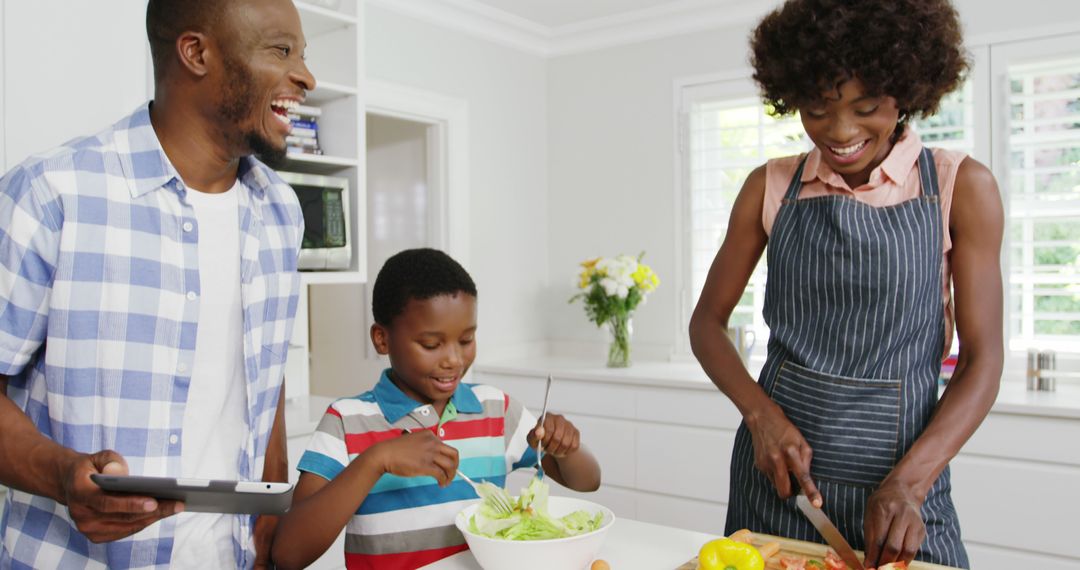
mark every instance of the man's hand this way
{"type": "Point", "coordinates": [102, 516]}
{"type": "Point", "coordinates": [559, 436]}
{"type": "Point", "coordinates": [416, 454]}
{"type": "Point", "coordinates": [264, 541]}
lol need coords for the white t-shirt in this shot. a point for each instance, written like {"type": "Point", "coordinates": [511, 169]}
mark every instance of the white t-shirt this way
{"type": "Point", "coordinates": [215, 425]}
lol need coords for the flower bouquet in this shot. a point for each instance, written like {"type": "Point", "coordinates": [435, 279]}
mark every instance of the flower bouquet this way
{"type": "Point", "coordinates": [611, 289]}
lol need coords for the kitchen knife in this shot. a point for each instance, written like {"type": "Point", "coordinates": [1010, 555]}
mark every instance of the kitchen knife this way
{"type": "Point", "coordinates": [829, 532]}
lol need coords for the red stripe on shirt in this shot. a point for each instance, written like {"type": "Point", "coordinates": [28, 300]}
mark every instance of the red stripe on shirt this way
{"type": "Point", "coordinates": [359, 442]}
{"type": "Point", "coordinates": [486, 427]}
{"type": "Point", "coordinates": [401, 561]}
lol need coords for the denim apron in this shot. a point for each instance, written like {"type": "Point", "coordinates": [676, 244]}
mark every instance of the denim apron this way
{"type": "Point", "coordinates": [853, 304]}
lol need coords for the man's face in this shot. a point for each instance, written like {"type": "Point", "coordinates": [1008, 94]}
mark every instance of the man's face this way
{"type": "Point", "coordinates": [262, 50]}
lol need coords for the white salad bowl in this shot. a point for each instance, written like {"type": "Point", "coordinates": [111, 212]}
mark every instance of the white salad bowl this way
{"type": "Point", "coordinates": [571, 553]}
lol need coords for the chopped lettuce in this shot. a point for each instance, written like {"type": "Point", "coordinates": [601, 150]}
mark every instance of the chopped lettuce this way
{"type": "Point", "coordinates": [530, 519]}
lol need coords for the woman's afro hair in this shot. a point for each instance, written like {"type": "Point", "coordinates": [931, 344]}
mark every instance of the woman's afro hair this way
{"type": "Point", "coordinates": [911, 50]}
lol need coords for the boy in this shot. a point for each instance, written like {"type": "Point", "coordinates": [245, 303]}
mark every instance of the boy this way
{"type": "Point", "coordinates": [384, 464]}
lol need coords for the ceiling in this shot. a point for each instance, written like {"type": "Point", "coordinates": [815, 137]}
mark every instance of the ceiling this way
{"type": "Point", "coordinates": [558, 27]}
{"type": "Point", "coordinates": [559, 13]}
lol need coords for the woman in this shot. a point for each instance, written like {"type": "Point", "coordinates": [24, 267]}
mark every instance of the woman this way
{"type": "Point", "coordinates": [867, 234]}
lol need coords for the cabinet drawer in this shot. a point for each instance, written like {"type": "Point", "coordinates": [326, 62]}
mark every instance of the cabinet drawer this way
{"type": "Point", "coordinates": [995, 558]}
{"type": "Point", "coordinates": [1025, 506]}
{"type": "Point", "coordinates": [689, 407]}
{"type": "Point", "coordinates": [1027, 437]}
{"type": "Point", "coordinates": [702, 516]}
{"type": "Point", "coordinates": [688, 462]}
{"type": "Point", "coordinates": [567, 396]}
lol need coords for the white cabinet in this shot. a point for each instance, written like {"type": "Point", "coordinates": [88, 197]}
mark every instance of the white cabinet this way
{"type": "Point", "coordinates": [302, 416]}
{"type": "Point", "coordinates": [334, 38]}
{"type": "Point", "coordinates": [665, 450]}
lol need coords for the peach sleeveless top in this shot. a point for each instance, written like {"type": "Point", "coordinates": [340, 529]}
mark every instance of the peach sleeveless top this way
{"type": "Point", "coordinates": [895, 180]}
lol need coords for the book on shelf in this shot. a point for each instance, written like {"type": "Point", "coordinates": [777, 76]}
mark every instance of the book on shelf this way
{"type": "Point", "coordinates": [304, 136]}
{"type": "Point", "coordinates": [306, 111]}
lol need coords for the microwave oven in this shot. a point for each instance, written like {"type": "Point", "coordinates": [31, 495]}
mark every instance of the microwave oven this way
{"type": "Point", "coordinates": [324, 201]}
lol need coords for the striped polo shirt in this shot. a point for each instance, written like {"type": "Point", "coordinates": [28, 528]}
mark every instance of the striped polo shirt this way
{"type": "Point", "coordinates": [408, 522]}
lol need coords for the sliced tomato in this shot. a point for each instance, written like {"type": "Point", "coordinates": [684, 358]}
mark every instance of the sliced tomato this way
{"type": "Point", "coordinates": [833, 561]}
{"type": "Point", "coordinates": [793, 563]}
{"type": "Point", "coordinates": [894, 566]}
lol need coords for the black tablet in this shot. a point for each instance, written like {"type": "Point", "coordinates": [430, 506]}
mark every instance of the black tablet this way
{"type": "Point", "coordinates": [205, 495]}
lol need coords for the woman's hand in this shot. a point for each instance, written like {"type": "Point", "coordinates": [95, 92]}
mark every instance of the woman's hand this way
{"type": "Point", "coordinates": [781, 451]}
{"type": "Point", "coordinates": [893, 527]}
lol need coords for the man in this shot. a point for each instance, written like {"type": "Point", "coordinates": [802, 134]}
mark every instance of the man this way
{"type": "Point", "coordinates": [147, 291]}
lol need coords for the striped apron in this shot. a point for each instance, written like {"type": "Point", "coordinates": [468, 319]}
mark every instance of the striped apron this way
{"type": "Point", "coordinates": [853, 304]}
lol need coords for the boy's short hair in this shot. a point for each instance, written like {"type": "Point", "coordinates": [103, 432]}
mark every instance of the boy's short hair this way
{"type": "Point", "coordinates": [911, 50]}
{"type": "Point", "coordinates": [420, 273]}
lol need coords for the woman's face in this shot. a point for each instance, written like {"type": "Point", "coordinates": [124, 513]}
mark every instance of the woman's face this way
{"type": "Point", "coordinates": [852, 130]}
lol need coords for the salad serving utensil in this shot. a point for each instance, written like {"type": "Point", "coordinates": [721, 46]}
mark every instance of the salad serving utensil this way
{"type": "Point", "coordinates": [540, 441]}
{"type": "Point", "coordinates": [499, 497]}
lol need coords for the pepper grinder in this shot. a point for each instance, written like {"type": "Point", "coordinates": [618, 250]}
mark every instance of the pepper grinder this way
{"type": "Point", "coordinates": [1033, 369]}
{"type": "Point", "coordinates": [1047, 362]}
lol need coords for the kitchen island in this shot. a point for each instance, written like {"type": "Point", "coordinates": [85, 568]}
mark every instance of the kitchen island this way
{"type": "Point", "coordinates": [663, 435]}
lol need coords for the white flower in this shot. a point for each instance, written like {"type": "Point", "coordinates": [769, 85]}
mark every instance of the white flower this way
{"type": "Point", "coordinates": [610, 286]}
{"type": "Point", "coordinates": [622, 291]}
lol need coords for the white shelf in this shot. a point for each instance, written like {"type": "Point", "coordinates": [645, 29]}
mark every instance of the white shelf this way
{"type": "Point", "coordinates": [329, 277]}
{"type": "Point", "coordinates": [318, 163]}
{"type": "Point", "coordinates": [326, 91]}
{"type": "Point", "coordinates": [318, 20]}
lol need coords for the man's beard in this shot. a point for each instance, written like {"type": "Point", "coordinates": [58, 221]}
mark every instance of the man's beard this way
{"type": "Point", "coordinates": [237, 101]}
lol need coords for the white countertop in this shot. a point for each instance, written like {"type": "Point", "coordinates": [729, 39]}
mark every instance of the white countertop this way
{"type": "Point", "coordinates": [630, 545]}
{"type": "Point", "coordinates": [1013, 398]}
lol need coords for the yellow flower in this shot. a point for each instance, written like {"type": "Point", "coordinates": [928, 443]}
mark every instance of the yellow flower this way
{"type": "Point", "coordinates": [645, 278]}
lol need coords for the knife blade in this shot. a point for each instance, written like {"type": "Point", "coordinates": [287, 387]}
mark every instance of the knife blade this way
{"type": "Point", "coordinates": [829, 532]}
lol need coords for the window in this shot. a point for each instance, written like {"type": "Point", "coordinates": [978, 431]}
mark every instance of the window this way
{"type": "Point", "coordinates": [1043, 166]}
{"type": "Point", "coordinates": [729, 137]}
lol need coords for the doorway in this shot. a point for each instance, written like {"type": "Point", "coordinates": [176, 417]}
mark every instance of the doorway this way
{"type": "Point", "coordinates": [416, 180]}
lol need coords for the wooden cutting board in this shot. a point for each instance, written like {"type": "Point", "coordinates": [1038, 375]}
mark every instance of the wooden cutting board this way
{"type": "Point", "coordinates": [790, 547]}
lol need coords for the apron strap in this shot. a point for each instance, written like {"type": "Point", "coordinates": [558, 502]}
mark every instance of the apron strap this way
{"type": "Point", "coordinates": [796, 182]}
{"type": "Point", "coordinates": [928, 172]}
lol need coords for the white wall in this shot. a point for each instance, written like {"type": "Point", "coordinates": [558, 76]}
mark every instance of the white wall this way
{"type": "Point", "coordinates": [506, 91]}
{"type": "Point", "coordinates": [70, 69]}
{"type": "Point", "coordinates": [612, 157]}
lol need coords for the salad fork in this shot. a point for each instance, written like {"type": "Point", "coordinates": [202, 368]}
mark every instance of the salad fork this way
{"type": "Point", "coordinates": [539, 441]}
{"type": "Point", "coordinates": [496, 496]}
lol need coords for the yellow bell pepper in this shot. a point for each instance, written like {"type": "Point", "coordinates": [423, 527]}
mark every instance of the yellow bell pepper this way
{"type": "Point", "coordinates": [726, 554]}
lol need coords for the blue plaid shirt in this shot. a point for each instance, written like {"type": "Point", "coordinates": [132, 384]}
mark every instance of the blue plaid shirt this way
{"type": "Point", "coordinates": [99, 304]}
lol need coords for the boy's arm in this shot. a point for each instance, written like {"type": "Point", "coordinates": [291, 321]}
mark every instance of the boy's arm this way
{"type": "Point", "coordinates": [321, 507]}
{"type": "Point", "coordinates": [320, 510]}
{"type": "Point", "coordinates": [565, 459]}
{"type": "Point", "coordinates": [276, 469]}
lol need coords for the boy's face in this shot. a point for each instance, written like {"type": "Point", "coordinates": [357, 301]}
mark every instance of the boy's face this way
{"type": "Point", "coordinates": [431, 345]}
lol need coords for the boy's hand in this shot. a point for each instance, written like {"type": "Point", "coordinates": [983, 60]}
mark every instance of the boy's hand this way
{"type": "Point", "coordinates": [417, 454]}
{"type": "Point", "coordinates": [560, 437]}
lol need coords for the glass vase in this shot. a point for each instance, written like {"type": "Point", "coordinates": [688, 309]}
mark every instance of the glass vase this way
{"type": "Point", "coordinates": [620, 329]}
